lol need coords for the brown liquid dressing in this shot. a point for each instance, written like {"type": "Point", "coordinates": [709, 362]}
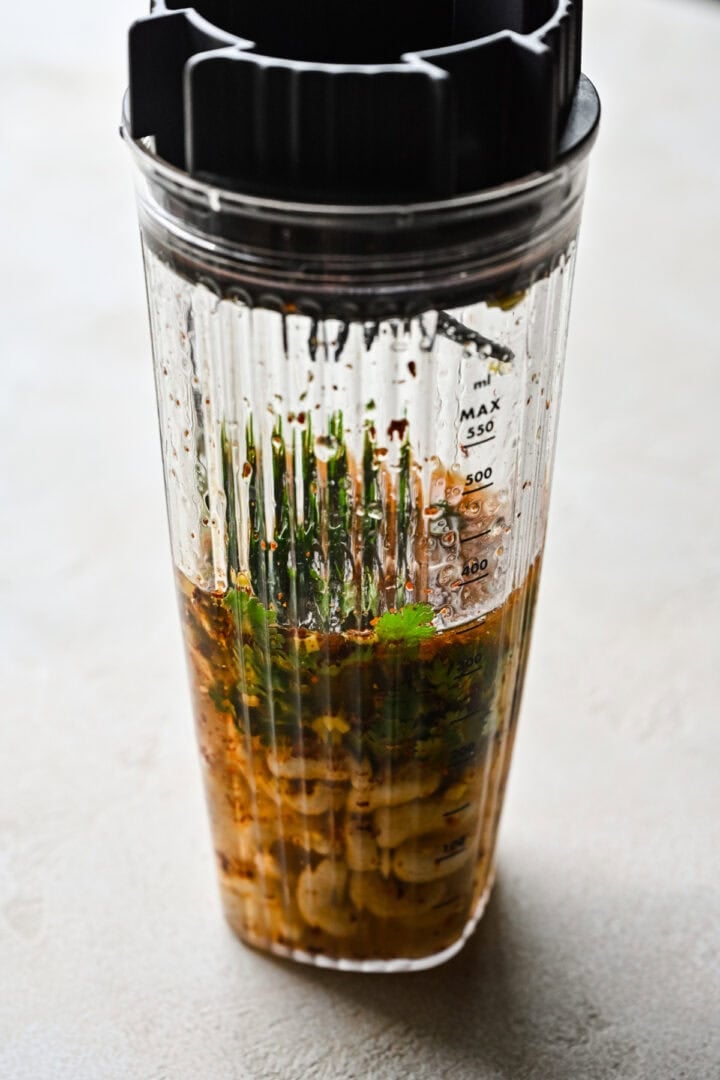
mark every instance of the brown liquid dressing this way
{"type": "Point", "coordinates": [354, 784]}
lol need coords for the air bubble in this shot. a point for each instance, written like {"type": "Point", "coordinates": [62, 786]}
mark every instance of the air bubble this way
{"type": "Point", "coordinates": [447, 575]}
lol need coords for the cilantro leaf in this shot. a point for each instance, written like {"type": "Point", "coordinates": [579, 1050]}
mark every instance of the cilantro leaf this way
{"type": "Point", "coordinates": [249, 613]}
{"type": "Point", "coordinates": [412, 623]}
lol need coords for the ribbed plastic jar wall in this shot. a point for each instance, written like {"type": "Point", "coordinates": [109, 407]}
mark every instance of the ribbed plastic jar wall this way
{"type": "Point", "coordinates": [358, 412]}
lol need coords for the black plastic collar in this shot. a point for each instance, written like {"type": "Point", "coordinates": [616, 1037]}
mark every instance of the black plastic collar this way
{"type": "Point", "coordinates": [360, 100]}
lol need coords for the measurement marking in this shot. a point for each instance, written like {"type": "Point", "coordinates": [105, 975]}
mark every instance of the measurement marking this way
{"type": "Point", "coordinates": [469, 445]}
{"type": "Point", "coordinates": [444, 903]}
{"type": "Point", "coordinates": [451, 854]}
{"type": "Point", "coordinates": [449, 813]}
{"type": "Point", "coordinates": [481, 488]}
{"type": "Point", "coordinates": [473, 580]}
{"type": "Point", "coordinates": [467, 539]}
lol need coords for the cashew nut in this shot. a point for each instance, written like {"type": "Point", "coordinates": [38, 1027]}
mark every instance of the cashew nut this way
{"type": "Point", "coordinates": [392, 899]}
{"type": "Point", "coordinates": [311, 836]}
{"type": "Point", "coordinates": [435, 858]}
{"type": "Point", "coordinates": [321, 898]}
{"type": "Point", "coordinates": [311, 798]}
{"type": "Point", "coordinates": [286, 765]}
{"type": "Point", "coordinates": [361, 851]}
{"type": "Point", "coordinates": [395, 825]}
{"type": "Point", "coordinates": [394, 789]}
{"type": "Point", "coordinates": [260, 911]}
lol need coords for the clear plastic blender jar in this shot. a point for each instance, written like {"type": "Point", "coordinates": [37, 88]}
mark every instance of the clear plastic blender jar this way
{"type": "Point", "coordinates": [358, 405]}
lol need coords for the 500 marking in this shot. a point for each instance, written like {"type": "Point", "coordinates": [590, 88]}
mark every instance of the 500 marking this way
{"type": "Point", "coordinates": [482, 478]}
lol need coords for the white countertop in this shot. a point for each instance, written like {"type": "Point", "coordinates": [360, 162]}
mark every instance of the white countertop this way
{"type": "Point", "coordinates": [598, 956]}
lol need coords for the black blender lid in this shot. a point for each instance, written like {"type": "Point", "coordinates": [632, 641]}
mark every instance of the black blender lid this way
{"type": "Point", "coordinates": [361, 100]}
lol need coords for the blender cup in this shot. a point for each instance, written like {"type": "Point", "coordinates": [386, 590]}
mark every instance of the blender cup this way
{"type": "Point", "coordinates": [359, 234]}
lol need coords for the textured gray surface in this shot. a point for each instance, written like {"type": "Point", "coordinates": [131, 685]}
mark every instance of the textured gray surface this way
{"type": "Point", "coordinates": [598, 956]}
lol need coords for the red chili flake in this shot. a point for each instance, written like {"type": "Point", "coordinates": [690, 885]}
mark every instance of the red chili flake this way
{"type": "Point", "coordinates": [398, 427]}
